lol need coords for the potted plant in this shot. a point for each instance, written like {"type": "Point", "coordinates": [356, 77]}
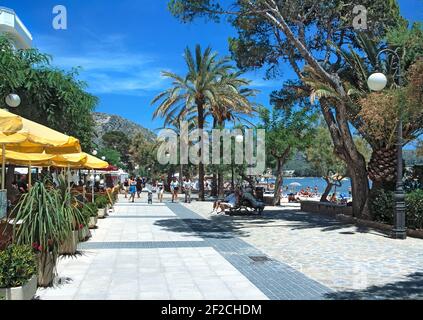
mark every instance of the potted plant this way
{"type": "Point", "coordinates": [73, 214]}
{"type": "Point", "coordinates": [102, 202]}
{"type": "Point", "coordinates": [45, 223]}
{"type": "Point", "coordinates": [83, 232]}
{"type": "Point", "coordinates": [18, 273]}
{"type": "Point", "coordinates": [90, 211]}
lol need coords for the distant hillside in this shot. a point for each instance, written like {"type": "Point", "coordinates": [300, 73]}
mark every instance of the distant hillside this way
{"type": "Point", "coordinates": [109, 122]}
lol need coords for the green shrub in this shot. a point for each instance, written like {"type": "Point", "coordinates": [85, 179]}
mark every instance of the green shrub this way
{"type": "Point", "coordinates": [17, 266]}
{"type": "Point", "coordinates": [414, 209]}
{"type": "Point", "coordinates": [381, 206]}
{"type": "Point", "coordinates": [89, 210]}
{"type": "Point", "coordinates": [101, 202]}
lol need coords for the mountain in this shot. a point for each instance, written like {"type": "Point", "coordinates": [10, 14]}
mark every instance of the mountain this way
{"type": "Point", "coordinates": [108, 122]}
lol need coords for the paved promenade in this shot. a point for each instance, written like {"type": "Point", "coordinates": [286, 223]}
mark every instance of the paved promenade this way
{"type": "Point", "coordinates": [166, 251]}
{"type": "Point", "coordinates": [355, 262]}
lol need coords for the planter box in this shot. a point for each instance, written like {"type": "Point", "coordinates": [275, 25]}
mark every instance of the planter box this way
{"type": "Point", "coordinates": [93, 222]}
{"type": "Point", "coordinates": [46, 269]}
{"type": "Point", "coordinates": [325, 208]}
{"type": "Point", "coordinates": [26, 292]}
{"type": "Point", "coordinates": [84, 234]}
{"type": "Point", "coordinates": [101, 213]}
{"type": "Point", "coordinates": [70, 246]}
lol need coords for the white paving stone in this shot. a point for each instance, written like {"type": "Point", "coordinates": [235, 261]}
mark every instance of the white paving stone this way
{"type": "Point", "coordinates": [182, 273]}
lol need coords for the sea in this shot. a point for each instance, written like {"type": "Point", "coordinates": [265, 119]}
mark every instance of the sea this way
{"type": "Point", "coordinates": [312, 182]}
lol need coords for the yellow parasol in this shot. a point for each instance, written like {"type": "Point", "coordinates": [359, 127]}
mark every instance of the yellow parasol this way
{"type": "Point", "coordinates": [25, 136]}
{"type": "Point", "coordinates": [38, 138]}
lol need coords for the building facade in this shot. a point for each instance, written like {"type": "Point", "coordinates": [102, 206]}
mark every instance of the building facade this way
{"type": "Point", "coordinates": [11, 25]}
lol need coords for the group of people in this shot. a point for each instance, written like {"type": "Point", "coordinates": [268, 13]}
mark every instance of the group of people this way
{"type": "Point", "coordinates": [135, 185]}
{"type": "Point", "coordinates": [308, 193]}
{"type": "Point", "coordinates": [187, 186]}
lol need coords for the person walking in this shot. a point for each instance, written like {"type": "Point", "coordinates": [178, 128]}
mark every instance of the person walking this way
{"type": "Point", "coordinates": [187, 189]}
{"type": "Point", "coordinates": [140, 185]}
{"type": "Point", "coordinates": [132, 189]}
{"type": "Point", "coordinates": [160, 189]}
{"type": "Point", "coordinates": [174, 188]}
{"type": "Point", "coordinates": [126, 187]}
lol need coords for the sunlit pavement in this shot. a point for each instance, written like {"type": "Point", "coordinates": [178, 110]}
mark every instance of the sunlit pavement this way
{"type": "Point", "coordinates": [355, 262]}
{"type": "Point", "coordinates": [165, 251]}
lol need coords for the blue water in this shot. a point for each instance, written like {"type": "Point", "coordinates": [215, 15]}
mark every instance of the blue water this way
{"type": "Point", "coordinates": [312, 182]}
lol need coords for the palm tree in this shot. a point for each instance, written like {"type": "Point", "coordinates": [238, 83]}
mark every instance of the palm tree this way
{"type": "Point", "coordinates": [199, 88]}
{"type": "Point", "coordinates": [232, 104]}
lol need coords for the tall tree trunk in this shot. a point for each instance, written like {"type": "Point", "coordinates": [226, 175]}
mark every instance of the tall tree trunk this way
{"type": "Point", "coordinates": [382, 168]}
{"type": "Point", "coordinates": [281, 159]}
{"type": "Point", "coordinates": [220, 176]}
{"type": "Point", "coordinates": [181, 175]}
{"type": "Point", "coordinates": [214, 185]}
{"type": "Point", "coordinates": [201, 172]}
{"type": "Point", "coordinates": [232, 177]}
{"type": "Point", "coordinates": [278, 183]}
{"type": "Point", "coordinates": [169, 179]}
{"type": "Point", "coordinates": [329, 186]}
{"type": "Point", "coordinates": [347, 151]}
{"type": "Point", "coordinates": [221, 187]}
{"type": "Point", "coordinates": [339, 128]}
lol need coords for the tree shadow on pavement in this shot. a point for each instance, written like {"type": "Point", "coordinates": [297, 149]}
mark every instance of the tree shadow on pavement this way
{"type": "Point", "coordinates": [411, 288]}
{"type": "Point", "coordinates": [225, 227]}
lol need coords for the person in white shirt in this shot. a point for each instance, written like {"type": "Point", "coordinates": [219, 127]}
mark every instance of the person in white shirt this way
{"type": "Point", "coordinates": [160, 190]}
{"type": "Point", "coordinates": [228, 203]}
{"type": "Point", "coordinates": [187, 190]}
{"type": "Point", "coordinates": [174, 188]}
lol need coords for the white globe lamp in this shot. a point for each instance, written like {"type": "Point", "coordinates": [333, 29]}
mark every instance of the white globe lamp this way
{"type": "Point", "coordinates": [239, 139]}
{"type": "Point", "coordinates": [103, 158]}
{"type": "Point", "coordinates": [97, 178]}
{"type": "Point", "coordinates": [92, 178]}
{"type": "Point", "coordinates": [13, 100]}
{"type": "Point", "coordinates": [377, 81]}
{"type": "Point", "coordinates": [95, 152]}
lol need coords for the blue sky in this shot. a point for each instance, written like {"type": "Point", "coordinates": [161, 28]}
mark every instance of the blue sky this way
{"type": "Point", "coordinates": [122, 47]}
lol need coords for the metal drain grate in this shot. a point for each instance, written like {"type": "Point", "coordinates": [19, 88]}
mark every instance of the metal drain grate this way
{"type": "Point", "coordinates": [260, 258]}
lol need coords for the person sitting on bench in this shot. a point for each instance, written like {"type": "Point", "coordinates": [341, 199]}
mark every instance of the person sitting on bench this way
{"type": "Point", "coordinates": [229, 202]}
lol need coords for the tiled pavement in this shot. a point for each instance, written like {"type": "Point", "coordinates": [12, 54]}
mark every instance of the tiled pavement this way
{"type": "Point", "coordinates": [166, 251]}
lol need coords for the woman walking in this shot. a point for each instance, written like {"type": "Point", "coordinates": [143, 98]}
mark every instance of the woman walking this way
{"type": "Point", "coordinates": [174, 188]}
{"type": "Point", "coordinates": [132, 189]}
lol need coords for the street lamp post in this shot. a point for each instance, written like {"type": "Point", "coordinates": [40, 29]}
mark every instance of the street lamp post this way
{"type": "Point", "coordinates": [92, 179]}
{"type": "Point", "coordinates": [12, 101]}
{"type": "Point", "coordinates": [378, 82]}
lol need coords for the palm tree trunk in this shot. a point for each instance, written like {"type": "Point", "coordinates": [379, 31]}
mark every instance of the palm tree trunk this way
{"type": "Point", "coordinates": [181, 175]}
{"type": "Point", "coordinates": [221, 187]}
{"type": "Point", "coordinates": [201, 172]}
{"type": "Point", "coordinates": [214, 185]}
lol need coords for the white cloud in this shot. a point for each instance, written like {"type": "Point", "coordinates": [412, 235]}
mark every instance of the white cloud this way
{"type": "Point", "coordinates": [108, 65]}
